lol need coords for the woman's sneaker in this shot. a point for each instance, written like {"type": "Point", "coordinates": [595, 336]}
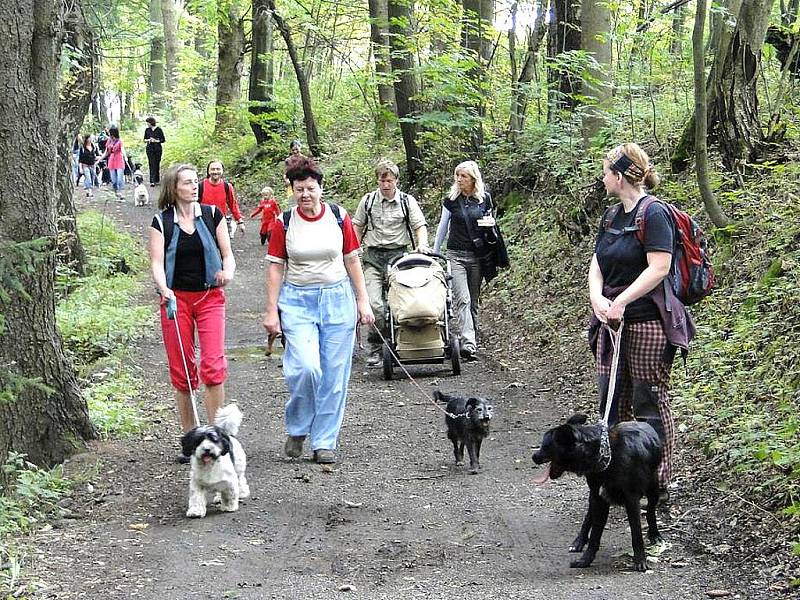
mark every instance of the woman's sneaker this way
{"type": "Point", "coordinates": [324, 457]}
{"type": "Point", "coordinates": [293, 448]}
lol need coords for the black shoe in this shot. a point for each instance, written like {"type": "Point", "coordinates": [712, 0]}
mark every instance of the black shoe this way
{"type": "Point", "coordinates": [468, 355]}
{"type": "Point", "coordinates": [183, 459]}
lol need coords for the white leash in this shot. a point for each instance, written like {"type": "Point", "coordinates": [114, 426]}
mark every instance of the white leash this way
{"type": "Point", "coordinates": [605, 445]}
{"type": "Point", "coordinates": [414, 381]}
{"type": "Point", "coordinates": [172, 313]}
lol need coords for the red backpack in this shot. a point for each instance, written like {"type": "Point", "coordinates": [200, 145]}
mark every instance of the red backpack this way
{"type": "Point", "coordinates": [691, 275]}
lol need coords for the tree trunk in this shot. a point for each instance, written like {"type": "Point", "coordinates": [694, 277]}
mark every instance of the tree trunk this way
{"type": "Point", "coordinates": [74, 101]}
{"type": "Point", "coordinates": [476, 43]}
{"type": "Point", "coordinates": [155, 83]}
{"type": "Point", "coordinates": [678, 22]}
{"type": "Point", "coordinates": [405, 85]}
{"type": "Point", "coordinates": [519, 101]}
{"type": "Point", "coordinates": [596, 42]}
{"type": "Point", "coordinates": [379, 42]}
{"type": "Point", "coordinates": [312, 137]}
{"type": "Point", "coordinates": [46, 424]}
{"type": "Point", "coordinates": [700, 117]}
{"type": "Point", "coordinates": [260, 90]}
{"type": "Point", "coordinates": [170, 19]}
{"type": "Point", "coordinates": [230, 31]}
{"type": "Point", "coordinates": [564, 35]}
{"type": "Point", "coordinates": [738, 127]}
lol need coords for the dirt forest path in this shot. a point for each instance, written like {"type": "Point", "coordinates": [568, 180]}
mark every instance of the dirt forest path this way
{"type": "Point", "coordinates": [394, 519]}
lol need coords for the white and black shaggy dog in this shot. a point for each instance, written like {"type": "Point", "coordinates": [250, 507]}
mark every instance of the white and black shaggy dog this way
{"type": "Point", "coordinates": [218, 463]}
{"type": "Point", "coordinates": [141, 196]}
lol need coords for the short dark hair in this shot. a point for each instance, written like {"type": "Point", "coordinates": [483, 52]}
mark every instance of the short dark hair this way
{"type": "Point", "coordinates": [113, 131]}
{"type": "Point", "coordinates": [151, 121]}
{"type": "Point", "coordinates": [301, 167]}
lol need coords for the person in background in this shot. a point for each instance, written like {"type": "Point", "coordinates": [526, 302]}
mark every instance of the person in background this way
{"type": "Point", "coordinates": [87, 158]}
{"type": "Point", "coordinates": [191, 262]}
{"type": "Point", "coordinates": [153, 138]}
{"type": "Point", "coordinates": [216, 191]}
{"type": "Point", "coordinates": [625, 277]}
{"type": "Point", "coordinates": [387, 222]}
{"type": "Point", "coordinates": [269, 209]}
{"type": "Point", "coordinates": [75, 166]}
{"type": "Point", "coordinates": [295, 149]}
{"type": "Point", "coordinates": [313, 274]}
{"type": "Point", "coordinates": [466, 209]}
{"type": "Point", "coordinates": [116, 159]}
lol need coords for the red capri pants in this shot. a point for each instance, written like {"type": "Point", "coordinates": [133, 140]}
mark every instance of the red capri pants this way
{"type": "Point", "coordinates": [203, 312]}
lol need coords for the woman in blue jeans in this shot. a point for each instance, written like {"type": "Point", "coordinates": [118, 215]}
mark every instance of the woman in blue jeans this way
{"type": "Point", "coordinates": [466, 209]}
{"type": "Point", "coordinates": [313, 274]}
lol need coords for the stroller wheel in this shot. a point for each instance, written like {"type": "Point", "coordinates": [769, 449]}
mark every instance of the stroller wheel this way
{"type": "Point", "coordinates": [455, 355]}
{"type": "Point", "coordinates": [388, 363]}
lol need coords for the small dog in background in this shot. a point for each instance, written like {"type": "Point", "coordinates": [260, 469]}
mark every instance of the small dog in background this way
{"type": "Point", "coordinates": [141, 197]}
{"type": "Point", "coordinates": [631, 474]}
{"type": "Point", "coordinates": [218, 463]}
{"type": "Point", "coordinates": [468, 428]}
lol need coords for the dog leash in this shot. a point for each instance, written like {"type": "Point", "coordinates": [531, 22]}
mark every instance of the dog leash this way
{"type": "Point", "coordinates": [172, 313]}
{"type": "Point", "coordinates": [605, 445]}
{"type": "Point", "coordinates": [414, 381]}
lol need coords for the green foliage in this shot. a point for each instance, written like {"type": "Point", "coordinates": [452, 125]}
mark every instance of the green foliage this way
{"type": "Point", "coordinates": [111, 402]}
{"type": "Point", "coordinates": [32, 495]}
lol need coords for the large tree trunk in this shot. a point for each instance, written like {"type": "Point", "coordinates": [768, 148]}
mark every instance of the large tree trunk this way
{"type": "Point", "coordinates": [519, 88]}
{"type": "Point", "coordinates": [700, 109]}
{"type": "Point", "coordinates": [155, 82]}
{"type": "Point", "coordinates": [564, 35]}
{"type": "Point", "coordinates": [230, 31]}
{"type": "Point", "coordinates": [476, 42]}
{"type": "Point", "coordinates": [46, 424]}
{"type": "Point", "coordinates": [405, 85]}
{"type": "Point", "coordinates": [74, 100]}
{"type": "Point", "coordinates": [312, 137]}
{"type": "Point", "coordinates": [596, 42]}
{"type": "Point", "coordinates": [738, 127]}
{"type": "Point", "coordinates": [170, 19]}
{"type": "Point", "coordinates": [260, 90]}
{"type": "Point", "coordinates": [379, 39]}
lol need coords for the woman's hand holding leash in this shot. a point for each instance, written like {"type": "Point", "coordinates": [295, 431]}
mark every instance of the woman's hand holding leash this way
{"type": "Point", "coordinates": [365, 316]}
{"type": "Point", "coordinates": [272, 322]}
{"type": "Point", "coordinates": [600, 306]}
{"type": "Point", "coordinates": [221, 279]}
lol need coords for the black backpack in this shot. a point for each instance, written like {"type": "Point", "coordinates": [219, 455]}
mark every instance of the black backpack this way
{"type": "Point", "coordinates": [403, 207]}
{"type": "Point", "coordinates": [337, 212]}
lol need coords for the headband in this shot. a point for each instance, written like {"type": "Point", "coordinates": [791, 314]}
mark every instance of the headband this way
{"type": "Point", "coordinates": [626, 166]}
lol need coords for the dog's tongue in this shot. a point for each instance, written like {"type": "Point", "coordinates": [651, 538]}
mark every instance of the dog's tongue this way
{"type": "Point", "coordinates": [544, 477]}
{"type": "Point", "coordinates": [206, 459]}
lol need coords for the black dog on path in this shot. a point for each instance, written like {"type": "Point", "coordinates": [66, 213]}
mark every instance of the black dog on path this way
{"type": "Point", "coordinates": [468, 428]}
{"type": "Point", "coordinates": [631, 474]}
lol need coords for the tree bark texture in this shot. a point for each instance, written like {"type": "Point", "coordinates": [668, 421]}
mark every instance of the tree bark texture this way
{"type": "Point", "coordinates": [75, 97]}
{"type": "Point", "coordinates": [564, 35]}
{"type": "Point", "coordinates": [46, 425]}
{"type": "Point", "coordinates": [738, 127]}
{"type": "Point", "coordinates": [476, 28]}
{"type": "Point", "coordinates": [260, 90]}
{"type": "Point", "coordinates": [230, 53]}
{"type": "Point", "coordinates": [155, 82]}
{"type": "Point", "coordinates": [379, 42]}
{"type": "Point", "coordinates": [312, 137]}
{"type": "Point", "coordinates": [170, 19]}
{"type": "Point", "coordinates": [596, 42]}
{"type": "Point", "coordinates": [405, 84]}
{"type": "Point", "coordinates": [700, 118]}
{"type": "Point", "coordinates": [519, 89]}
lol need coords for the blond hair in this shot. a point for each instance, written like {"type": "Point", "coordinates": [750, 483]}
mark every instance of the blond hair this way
{"type": "Point", "coordinates": [267, 192]}
{"type": "Point", "coordinates": [470, 167]}
{"type": "Point", "coordinates": [385, 167]}
{"type": "Point", "coordinates": [634, 165]}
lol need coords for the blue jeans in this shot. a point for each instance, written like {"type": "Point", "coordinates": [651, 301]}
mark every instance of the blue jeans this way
{"type": "Point", "coordinates": [319, 324]}
{"type": "Point", "coordinates": [117, 178]}
{"type": "Point", "coordinates": [89, 177]}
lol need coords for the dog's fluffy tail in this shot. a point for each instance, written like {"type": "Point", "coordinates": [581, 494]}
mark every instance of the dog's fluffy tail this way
{"type": "Point", "coordinates": [228, 419]}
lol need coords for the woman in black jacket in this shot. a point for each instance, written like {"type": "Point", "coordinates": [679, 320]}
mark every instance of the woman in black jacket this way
{"type": "Point", "coordinates": [154, 138]}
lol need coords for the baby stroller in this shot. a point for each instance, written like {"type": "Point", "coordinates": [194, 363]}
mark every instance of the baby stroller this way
{"type": "Point", "coordinates": [418, 311]}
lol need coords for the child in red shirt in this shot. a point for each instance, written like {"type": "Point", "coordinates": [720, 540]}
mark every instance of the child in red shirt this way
{"type": "Point", "coordinates": [269, 209]}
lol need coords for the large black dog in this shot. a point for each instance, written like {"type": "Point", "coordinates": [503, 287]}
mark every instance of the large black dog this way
{"type": "Point", "coordinates": [631, 474]}
{"type": "Point", "coordinates": [468, 428]}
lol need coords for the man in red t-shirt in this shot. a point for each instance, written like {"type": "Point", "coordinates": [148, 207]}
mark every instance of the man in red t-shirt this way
{"type": "Point", "coordinates": [214, 190]}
